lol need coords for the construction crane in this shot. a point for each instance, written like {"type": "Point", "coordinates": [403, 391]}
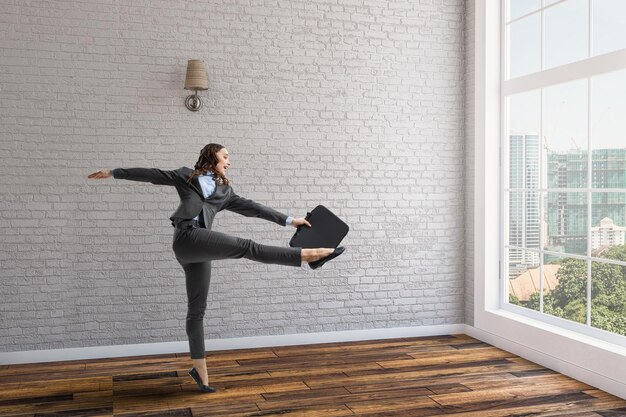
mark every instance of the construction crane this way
{"type": "Point", "coordinates": [575, 144]}
{"type": "Point", "coordinates": [545, 144]}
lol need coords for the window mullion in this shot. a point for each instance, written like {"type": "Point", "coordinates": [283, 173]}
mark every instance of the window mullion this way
{"type": "Point", "coordinates": [503, 261]}
{"type": "Point", "coordinates": [541, 185]}
{"type": "Point", "coordinates": [590, 26]}
{"type": "Point", "coordinates": [589, 181]}
{"type": "Point", "coordinates": [541, 40]}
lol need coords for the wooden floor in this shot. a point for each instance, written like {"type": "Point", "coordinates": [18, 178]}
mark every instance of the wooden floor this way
{"type": "Point", "coordinates": [426, 376]}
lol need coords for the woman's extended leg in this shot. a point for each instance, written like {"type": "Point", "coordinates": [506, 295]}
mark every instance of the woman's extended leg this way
{"type": "Point", "coordinates": [201, 245]}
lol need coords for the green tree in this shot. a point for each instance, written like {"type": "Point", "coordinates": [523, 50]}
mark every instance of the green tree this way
{"type": "Point", "coordinates": [608, 292]}
{"type": "Point", "coordinates": [513, 299]}
{"type": "Point", "coordinates": [533, 301]}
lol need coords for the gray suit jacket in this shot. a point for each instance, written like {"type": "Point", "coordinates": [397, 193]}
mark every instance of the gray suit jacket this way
{"type": "Point", "coordinates": [192, 200]}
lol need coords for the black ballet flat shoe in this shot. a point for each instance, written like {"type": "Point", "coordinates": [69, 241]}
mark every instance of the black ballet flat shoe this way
{"type": "Point", "coordinates": [196, 377]}
{"type": "Point", "coordinates": [316, 264]}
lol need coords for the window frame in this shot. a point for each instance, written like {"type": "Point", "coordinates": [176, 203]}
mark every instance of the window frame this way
{"type": "Point", "coordinates": [584, 69]}
{"type": "Point", "coordinates": [595, 361]}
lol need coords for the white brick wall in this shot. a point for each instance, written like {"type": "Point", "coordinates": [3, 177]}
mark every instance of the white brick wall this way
{"type": "Point", "coordinates": [357, 105]}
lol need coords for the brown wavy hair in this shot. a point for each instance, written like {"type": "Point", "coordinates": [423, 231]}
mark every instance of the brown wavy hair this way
{"type": "Point", "coordinates": [207, 162]}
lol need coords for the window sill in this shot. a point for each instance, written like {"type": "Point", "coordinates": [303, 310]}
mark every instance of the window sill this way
{"type": "Point", "coordinates": [596, 362]}
{"type": "Point", "coordinates": [560, 331]}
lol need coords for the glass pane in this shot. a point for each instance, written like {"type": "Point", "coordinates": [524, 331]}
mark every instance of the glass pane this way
{"type": "Point", "coordinates": [608, 125]}
{"type": "Point", "coordinates": [565, 222]}
{"type": "Point", "coordinates": [609, 26]}
{"type": "Point", "coordinates": [608, 223]}
{"type": "Point", "coordinates": [523, 133]}
{"type": "Point", "coordinates": [524, 46]}
{"type": "Point", "coordinates": [566, 32]}
{"type": "Point", "coordinates": [519, 8]}
{"type": "Point", "coordinates": [524, 161]}
{"type": "Point", "coordinates": [608, 297]}
{"type": "Point", "coordinates": [523, 219]}
{"type": "Point", "coordinates": [523, 269]}
{"type": "Point", "coordinates": [549, 2]}
{"type": "Point", "coordinates": [565, 135]}
{"type": "Point", "coordinates": [565, 290]}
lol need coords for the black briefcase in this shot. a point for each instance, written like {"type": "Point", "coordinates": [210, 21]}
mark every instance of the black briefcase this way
{"type": "Point", "coordinates": [326, 231]}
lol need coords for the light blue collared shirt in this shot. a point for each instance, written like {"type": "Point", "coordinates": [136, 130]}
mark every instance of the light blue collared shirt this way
{"type": "Point", "coordinates": [207, 183]}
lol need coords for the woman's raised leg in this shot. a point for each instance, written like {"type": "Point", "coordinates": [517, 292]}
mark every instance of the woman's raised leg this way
{"type": "Point", "coordinates": [201, 245]}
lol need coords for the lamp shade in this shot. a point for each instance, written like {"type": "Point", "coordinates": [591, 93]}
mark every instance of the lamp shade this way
{"type": "Point", "coordinates": [196, 78]}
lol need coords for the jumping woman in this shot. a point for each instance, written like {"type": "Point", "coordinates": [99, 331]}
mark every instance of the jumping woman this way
{"type": "Point", "coordinates": [203, 192]}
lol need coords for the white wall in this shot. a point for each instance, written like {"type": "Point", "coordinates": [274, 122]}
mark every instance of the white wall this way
{"type": "Point", "coordinates": [357, 105]}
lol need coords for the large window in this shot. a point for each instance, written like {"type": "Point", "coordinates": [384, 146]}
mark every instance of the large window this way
{"type": "Point", "coordinates": [564, 163]}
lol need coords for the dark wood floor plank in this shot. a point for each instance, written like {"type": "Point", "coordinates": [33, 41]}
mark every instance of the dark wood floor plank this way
{"type": "Point", "coordinates": [534, 372]}
{"type": "Point", "coordinates": [218, 403]}
{"type": "Point", "coordinates": [311, 411]}
{"type": "Point", "coordinates": [470, 345]}
{"type": "Point", "coordinates": [330, 369]}
{"type": "Point", "coordinates": [305, 398]}
{"type": "Point", "coordinates": [384, 375]}
{"type": "Point", "coordinates": [434, 364]}
{"type": "Point", "coordinates": [308, 350]}
{"type": "Point", "coordinates": [79, 412]}
{"type": "Point", "coordinates": [615, 412]}
{"type": "Point", "coordinates": [146, 402]}
{"type": "Point", "coordinates": [425, 405]}
{"type": "Point", "coordinates": [344, 357]}
{"type": "Point", "coordinates": [456, 354]}
{"type": "Point", "coordinates": [40, 368]}
{"type": "Point", "coordinates": [62, 386]}
{"type": "Point", "coordinates": [63, 404]}
{"type": "Point", "coordinates": [560, 408]}
{"type": "Point", "coordinates": [238, 355]}
{"type": "Point", "coordinates": [554, 379]}
{"type": "Point", "coordinates": [102, 369]}
{"type": "Point", "coordinates": [429, 382]}
{"type": "Point", "coordinates": [517, 402]}
{"type": "Point", "coordinates": [441, 370]}
{"type": "Point", "coordinates": [228, 383]}
{"type": "Point", "coordinates": [239, 407]}
{"type": "Point", "coordinates": [180, 412]}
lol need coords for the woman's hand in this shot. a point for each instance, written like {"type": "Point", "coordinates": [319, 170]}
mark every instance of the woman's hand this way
{"type": "Point", "coordinates": [103, 173]}
{"type": "Point", "coordinates": [300, 221]}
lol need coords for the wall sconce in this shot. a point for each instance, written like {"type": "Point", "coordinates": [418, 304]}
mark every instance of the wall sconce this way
{"type": "Point", "coordinates": [195, 80]}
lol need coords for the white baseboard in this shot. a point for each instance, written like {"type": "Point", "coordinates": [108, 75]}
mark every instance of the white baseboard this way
{"type": "Point", "coordinates": [97, 352]}
{"type": "Point", "coordinates": [556, 364]}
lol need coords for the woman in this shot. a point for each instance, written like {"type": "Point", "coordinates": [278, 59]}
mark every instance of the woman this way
{"type": "Point", "coordinates": [203, 192]}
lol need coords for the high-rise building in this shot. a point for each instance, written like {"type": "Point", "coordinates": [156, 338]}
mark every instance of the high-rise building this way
{"type": "Point", "coordinates": [566, 212]}
{"type": "Point", "coordinates": [607, 234]}
{"type": "Point", "coordinates": [523, 204]}
{"type": "Point", "coordinates": [565, 223]}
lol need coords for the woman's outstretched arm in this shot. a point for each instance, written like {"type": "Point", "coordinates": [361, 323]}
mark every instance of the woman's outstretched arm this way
{"type": "Point", "coordinates": [152, 175]}
{"type": "Point", "coordinates": [250, 208]}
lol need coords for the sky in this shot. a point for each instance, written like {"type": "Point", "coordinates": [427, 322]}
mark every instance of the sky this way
{"type": "Point", "coordinates": [565, 106]}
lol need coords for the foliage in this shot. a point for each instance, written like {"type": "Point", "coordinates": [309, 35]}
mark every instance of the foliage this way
{"type": "Point", "coordinates": [569, 299]}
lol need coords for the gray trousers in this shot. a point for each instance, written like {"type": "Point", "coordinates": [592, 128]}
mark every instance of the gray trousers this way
{"type": "Point", "coordinates": [195, 248]}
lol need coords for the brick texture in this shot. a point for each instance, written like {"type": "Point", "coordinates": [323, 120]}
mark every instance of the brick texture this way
{"type": "Point", "coordinates": [354, 104]}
